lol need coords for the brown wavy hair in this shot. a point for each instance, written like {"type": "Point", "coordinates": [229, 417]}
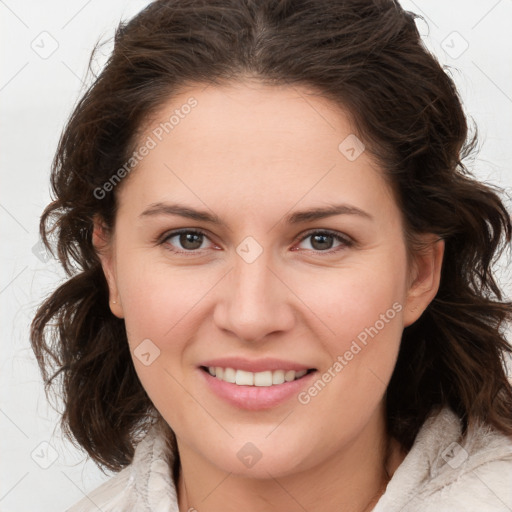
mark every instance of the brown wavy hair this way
{"type": "Point", "coordinates": [368, 57]}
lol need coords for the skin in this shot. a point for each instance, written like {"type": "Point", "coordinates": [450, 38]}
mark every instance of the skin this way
{"type": "Point", "coordinates": [294, 302]}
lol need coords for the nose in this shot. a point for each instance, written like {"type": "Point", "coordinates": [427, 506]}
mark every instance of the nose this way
{"type": "Point", "coordinates": [254, 301]}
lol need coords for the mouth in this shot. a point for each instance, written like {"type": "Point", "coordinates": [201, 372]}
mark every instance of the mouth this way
{"type": "Point", "coordinates": [255, 385]}
{"type": "Point", "coordinates": [265, 378]}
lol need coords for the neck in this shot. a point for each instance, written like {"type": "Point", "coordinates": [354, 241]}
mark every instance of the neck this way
{"type": "Point", "coordinates": [351, 479]}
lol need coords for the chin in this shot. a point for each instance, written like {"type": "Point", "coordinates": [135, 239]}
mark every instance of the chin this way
{"type": "Point", "coordinates": [262, 459]}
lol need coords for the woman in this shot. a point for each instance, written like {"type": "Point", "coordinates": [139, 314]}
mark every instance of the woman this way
{"type": "Point", "coordinates": [281, 293]}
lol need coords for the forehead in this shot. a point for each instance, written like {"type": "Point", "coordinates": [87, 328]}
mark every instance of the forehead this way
{"type": "Point", "coordinates": [239, 114]}
{"type": "Point", "coordinates": [253, 145]}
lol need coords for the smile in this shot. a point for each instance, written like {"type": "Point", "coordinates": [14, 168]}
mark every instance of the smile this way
{"type": "Point", "coordinates": [256, 390]}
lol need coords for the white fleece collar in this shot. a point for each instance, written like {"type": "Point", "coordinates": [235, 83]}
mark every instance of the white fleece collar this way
{"type": "Point", "coordinates": [441, 473]}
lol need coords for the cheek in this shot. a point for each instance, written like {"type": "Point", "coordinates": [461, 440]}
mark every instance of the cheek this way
{"type": "Point", "coordinates": [155, 297]}
{"type": "Point", "coordinates": [364, 310]}
{"type": "Point", "coordinates": [158, 306]}
{"type": "Point", "coordinates": [349, 301]}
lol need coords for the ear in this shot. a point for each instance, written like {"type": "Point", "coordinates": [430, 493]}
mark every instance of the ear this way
{"type": "Point", "coordinates": [104, 245]}
{"type": "Point", "coordinates": [424, 277]}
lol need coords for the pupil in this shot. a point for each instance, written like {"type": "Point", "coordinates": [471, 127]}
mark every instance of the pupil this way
{"type": "Point", "coordinates": [188, 238]}
{"type": "Point", "coordinates": [322, 239]}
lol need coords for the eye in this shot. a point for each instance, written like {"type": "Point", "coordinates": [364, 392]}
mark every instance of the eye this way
{"type": "Point", "coordinates": [188, 239]}
{"type": "Point", "coordinates": [322, 241]}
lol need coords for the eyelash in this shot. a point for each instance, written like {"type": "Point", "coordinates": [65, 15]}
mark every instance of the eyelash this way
{"type": "Point", "coordinates": [344, 240]}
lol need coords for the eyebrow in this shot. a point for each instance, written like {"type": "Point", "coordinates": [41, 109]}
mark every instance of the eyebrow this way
{"type": "Point", "coordinates": [298, 217]}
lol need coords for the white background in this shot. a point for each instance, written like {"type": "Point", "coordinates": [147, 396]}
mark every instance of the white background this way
{"type": "Point", "coordinates": [36, 97]}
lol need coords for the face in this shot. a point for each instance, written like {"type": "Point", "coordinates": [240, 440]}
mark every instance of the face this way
{"type": "Point", "coordinates": [257, 241]}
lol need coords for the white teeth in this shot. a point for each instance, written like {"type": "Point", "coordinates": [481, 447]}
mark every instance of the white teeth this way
{"type": "Point", "coordinates": [242, 378]}
{"type": "Point", "coordinates": [262, 379]}
{"type": "Point", "coordinates": [278, 377]}
{"type": "Point", "coordinates": [229, 375]}
{"type": "Point", "coordinates": [289, 375]}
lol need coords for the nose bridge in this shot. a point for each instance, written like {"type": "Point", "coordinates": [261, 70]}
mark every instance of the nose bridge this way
{"type": "Point", "coordinates": [252, 283]}
{"type": "Point", "coordinates": [255, 303]}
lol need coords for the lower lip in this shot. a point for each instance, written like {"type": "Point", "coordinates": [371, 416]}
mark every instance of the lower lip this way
{"type": "Point", "coordinates": [256, 398]}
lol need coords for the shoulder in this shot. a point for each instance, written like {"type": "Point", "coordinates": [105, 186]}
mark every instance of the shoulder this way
{"type": "Point", "coordinates": [145, 485]}
{"type": "Point", "coordinates": [445, 471]}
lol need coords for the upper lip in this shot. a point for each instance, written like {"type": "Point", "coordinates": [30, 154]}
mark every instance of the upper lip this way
{"type": "Point", "coordinates": [256, 365]}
